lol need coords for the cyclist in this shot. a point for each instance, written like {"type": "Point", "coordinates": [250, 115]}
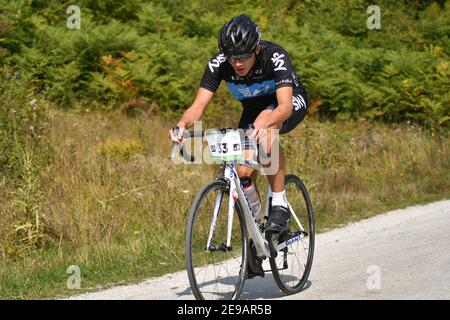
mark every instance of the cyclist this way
{"type": "Point", "coordinates": [260, 75]}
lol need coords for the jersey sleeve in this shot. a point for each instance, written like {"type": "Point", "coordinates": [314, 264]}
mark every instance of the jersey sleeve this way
{"type": "Point", "coordinates": [213, 73]}
{"type": "Point", "coordinates": [282, 68]}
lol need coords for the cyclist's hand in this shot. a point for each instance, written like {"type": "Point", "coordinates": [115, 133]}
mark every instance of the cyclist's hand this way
{"type": "Point", "coordinates": [259, 130]}
{"type": "Point", "coordinates": [176, 135]}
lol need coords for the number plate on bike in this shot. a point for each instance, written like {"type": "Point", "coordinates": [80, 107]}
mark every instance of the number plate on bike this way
{"type": "Point", "coordinates": [224, 146]}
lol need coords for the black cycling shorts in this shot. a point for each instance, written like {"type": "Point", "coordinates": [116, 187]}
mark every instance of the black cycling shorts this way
{"type": "Point", "coordinates": [299, 106]}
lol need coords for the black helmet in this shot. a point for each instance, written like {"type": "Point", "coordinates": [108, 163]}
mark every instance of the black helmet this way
{"type": "Point", "coordinates": [239, 36]}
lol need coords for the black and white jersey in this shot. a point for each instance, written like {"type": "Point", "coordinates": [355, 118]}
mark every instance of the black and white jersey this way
{"type": "Point", "coordinates": [272, 70]}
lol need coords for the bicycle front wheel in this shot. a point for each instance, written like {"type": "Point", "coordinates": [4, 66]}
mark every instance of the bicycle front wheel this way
{"type": "Point", "coordinates": [293, 262]}
{"type": "Point", "coordinates": [216, 271]}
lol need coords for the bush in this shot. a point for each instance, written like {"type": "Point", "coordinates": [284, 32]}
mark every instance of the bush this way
{"type": "Point", "coordinates": [23, 153]}
{"type": "Point", "coordinates": [158, 50]}
{"type": "Point", "coordinates": [119, 149]}
{"type": "Point", "coordinates": [23, 123]}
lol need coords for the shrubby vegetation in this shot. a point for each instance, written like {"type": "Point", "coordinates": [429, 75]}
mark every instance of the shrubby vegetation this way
{"type": "Point", "coordinates": [23, 123]}
{"type": "Point", "coordinates": [157, 51]}
{"type": "Point", "coordinates": [24, 152]}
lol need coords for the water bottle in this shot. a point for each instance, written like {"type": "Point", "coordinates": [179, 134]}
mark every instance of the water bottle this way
{"type": "Point", "coordinates": [252, 196]}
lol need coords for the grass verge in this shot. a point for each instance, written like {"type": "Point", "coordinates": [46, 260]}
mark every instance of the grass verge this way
{"type": "Point", "coordinates": [114, 204]}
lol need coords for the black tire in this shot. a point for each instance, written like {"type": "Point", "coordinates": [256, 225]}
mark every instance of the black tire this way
{"type": "Point", "coordinates": [202, 264]}
{"type": "Point", "coordinates": [298, 267]}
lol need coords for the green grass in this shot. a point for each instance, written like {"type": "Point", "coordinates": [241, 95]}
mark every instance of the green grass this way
{"type": "Point", "coordinates": [116, 206]}
{"type": "Point", "coordinates": [44, 274]}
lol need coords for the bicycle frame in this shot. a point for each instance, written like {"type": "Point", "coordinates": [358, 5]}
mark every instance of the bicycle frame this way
{"type": "Point", "coordinates": [229, 173]}
{"type": "Point", "coordinates": [261, 244]}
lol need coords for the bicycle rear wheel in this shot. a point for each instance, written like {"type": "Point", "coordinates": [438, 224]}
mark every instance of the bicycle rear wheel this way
{"type": "Point", "coordinates": [217, 272]}
{"type": "Point", "coordinates": [292, 265]}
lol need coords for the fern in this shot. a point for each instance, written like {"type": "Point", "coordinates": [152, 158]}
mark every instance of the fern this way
{"type": "Point", "coordinates": [158, 50]}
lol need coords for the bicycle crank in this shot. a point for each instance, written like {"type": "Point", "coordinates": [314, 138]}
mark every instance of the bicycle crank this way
{"type": "Point", "coordinates": [221, 247]}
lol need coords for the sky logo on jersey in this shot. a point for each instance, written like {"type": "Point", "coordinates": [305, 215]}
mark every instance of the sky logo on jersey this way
{"type": "Point", "coordinates": [215, 63]}
{"type": "Point", "coordinates": [278, 61]}
{"type": "Point", "coordinates": [242, 91]}
{"type": "Point", "coordinates": [298, 102]}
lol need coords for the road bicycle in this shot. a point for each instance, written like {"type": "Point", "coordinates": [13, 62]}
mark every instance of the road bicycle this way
{"type": "Point", "coordinates": [224, 237]}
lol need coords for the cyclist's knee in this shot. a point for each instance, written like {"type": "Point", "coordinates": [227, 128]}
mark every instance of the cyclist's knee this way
{"type": "Point", "coordinates": [246, 172]}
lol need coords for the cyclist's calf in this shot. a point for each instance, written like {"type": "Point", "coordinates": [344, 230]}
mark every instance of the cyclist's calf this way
{"type": "Point", "coordinates": [244, 171]}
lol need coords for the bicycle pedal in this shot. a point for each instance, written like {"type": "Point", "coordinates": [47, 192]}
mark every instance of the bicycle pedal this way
{"type": "Point", "coordinates": [251, 275]}
{"type": "Point", "coordinates": [221, 247]}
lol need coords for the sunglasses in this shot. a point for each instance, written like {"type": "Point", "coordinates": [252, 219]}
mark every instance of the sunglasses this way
{"type": "Point", "coordinates": [240, 57]}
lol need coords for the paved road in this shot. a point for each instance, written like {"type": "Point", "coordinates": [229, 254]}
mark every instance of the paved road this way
{"type": "Point", "coordinates": [403, 254]}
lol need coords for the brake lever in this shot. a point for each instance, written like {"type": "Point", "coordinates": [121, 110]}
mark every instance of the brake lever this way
{"type": "Point", "coordinates": [180, 147]}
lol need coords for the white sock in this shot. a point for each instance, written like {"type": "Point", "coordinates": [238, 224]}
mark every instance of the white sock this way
{"type": "Point", "coordinates": [279, 199]}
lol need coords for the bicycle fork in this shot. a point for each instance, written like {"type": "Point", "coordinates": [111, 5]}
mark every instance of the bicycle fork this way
{"type": "Point", "coordinates": [217, 205]}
